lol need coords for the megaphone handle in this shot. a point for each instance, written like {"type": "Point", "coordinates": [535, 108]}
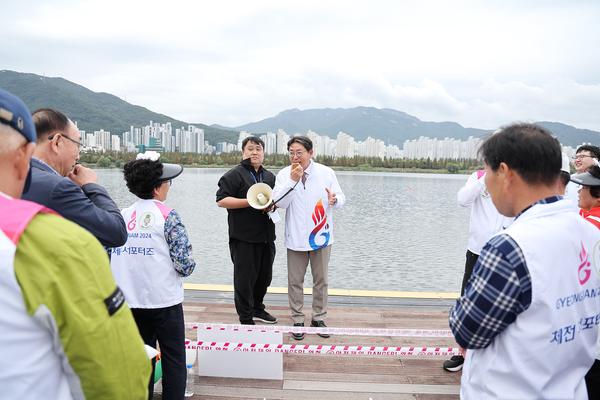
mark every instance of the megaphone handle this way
{"type": "Point", "coordinates": [285, 194]}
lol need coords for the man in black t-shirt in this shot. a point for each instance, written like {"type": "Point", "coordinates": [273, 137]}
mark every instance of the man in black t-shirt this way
{"type": "Point", "coordinates": [251, 233]}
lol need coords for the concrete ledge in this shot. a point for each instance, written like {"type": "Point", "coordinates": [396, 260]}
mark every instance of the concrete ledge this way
{"type": "Point", "coordinates": [336, 292]}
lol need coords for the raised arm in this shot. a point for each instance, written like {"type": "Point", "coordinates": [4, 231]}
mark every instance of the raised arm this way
{"type": "Point", "coordinates": [283, 184]}
{"type": "Point", "coordinates": [92, 208]}
{"type": "Point", "coordinates": [472, 188]}
{"type": "Point", "coordinates": [229, 187]}
{"type": "Point", "coordinates": [337, 190]}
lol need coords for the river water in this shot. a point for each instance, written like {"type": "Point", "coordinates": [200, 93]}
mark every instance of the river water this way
{"type": "Point", "coordinates": [396, 232]}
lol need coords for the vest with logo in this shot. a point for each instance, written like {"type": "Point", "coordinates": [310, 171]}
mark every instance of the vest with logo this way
{"type": "Point", "coordinates": [143, 267]}
{"type": "Point", "coordinates": [30, 367]}
{"type": "Point", "coordinates": [547, 350]}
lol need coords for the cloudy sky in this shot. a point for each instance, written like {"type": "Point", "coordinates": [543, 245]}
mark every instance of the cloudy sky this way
{"type": "Point", "coordinates": [479, 63]}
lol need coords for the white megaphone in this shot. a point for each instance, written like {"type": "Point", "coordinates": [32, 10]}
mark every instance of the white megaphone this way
{"type": "Point", "coordinates": [260, 196]}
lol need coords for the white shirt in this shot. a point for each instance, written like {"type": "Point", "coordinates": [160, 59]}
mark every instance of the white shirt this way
{"type": "Point", "coordinates": [308, 217]}
{"type": "Point", "coordinates": [572, 193]}
{"type": "Point", "coordinates": [485, 220]}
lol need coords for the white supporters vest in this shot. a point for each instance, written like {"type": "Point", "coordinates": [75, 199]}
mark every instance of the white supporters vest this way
{"type": "Point", "coordinates": [31, 362]}
{"type": "Point", "coordinates": [142, 267]}
{"type": "Point", "coordinates": [546, 352]}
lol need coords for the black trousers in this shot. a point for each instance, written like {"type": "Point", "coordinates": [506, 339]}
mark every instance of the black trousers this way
{"type": "Point", "coordinates": [592, 381]}
{"type": "Point", "coordinates": [252, 274]}
{"type": "Point", "coordinates": [471, 259]}
{"type": "Point", "coordinates": [167, 326]}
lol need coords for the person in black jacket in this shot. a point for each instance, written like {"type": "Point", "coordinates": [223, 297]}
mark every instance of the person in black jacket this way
{"type": "Point", "coordinates": [251, 233]}
{"type": "Point", "coordinates": [70, 189]}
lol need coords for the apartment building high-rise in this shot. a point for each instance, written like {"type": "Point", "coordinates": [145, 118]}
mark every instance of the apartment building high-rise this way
{"type": "Point", "coordinates": [345, 145]}
{"type": "Point", "coordinates": [282, 139]}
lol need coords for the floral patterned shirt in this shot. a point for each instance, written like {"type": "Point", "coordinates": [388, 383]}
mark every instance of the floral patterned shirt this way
{"type": "Point", "coordinates": [180, 248]}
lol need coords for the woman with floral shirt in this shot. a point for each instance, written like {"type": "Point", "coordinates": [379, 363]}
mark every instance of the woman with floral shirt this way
{"type": "Point", "coordinates": [151, 265]}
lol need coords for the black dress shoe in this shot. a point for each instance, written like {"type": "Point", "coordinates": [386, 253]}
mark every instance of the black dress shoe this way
{"type": "Point", "coordinates": [320, 324]}
{"type": "Point", "coordinates": [298, 336]}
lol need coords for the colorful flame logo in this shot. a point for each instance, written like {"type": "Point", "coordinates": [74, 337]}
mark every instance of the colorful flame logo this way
{"type": "Point", "coordinates": [131, 223]}
{"type": "Point", "coordinates": [584, 271]}
{"type": "Point", "coordinates": [319, 217]}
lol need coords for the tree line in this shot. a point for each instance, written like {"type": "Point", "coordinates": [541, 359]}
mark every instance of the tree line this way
{"type": "Point", "coordinates": [116, 159]}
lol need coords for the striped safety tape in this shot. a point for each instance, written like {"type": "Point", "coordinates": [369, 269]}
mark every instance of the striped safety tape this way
{"type": "Point", "coordinates": [328, 330]}
{"type": "Point", "coordinates": [324, 349]}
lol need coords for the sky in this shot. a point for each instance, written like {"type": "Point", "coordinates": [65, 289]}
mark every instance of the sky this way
{"type": "Point", "coordinates": [481, 63]}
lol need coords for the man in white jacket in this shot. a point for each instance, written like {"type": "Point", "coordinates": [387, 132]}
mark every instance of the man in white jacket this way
{"type": "Point", "coordinates": [529, 315]}
{"type": "Point", "coordinates": [309, 192]}
{"type": "Point", "coordinates": [484, 222]}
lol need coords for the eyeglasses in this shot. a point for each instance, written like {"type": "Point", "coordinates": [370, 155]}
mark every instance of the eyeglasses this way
{"type": "Point", "coordinates": [66, 137]}
{"type": "Point", "coordinates": [580, 157]}
{"type": "Point", "coordinates": [297, 153]}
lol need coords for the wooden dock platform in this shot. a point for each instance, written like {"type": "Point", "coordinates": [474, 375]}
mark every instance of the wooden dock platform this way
{"type": "Point", "coordinates": [317, 377]}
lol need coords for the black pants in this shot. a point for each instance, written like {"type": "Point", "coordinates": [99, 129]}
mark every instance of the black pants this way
{"type": "Point", "coordinates": [165, 325]}
{"type": "Point", "coordinates": [252, 274]}
{"type": "Point", "coordinates": [471, 259]}
{"type": "Point", "coordinates": [592, 381]}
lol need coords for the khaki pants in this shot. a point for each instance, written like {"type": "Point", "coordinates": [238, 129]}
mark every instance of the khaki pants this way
{"type": "Point", "coordinates": [297, 262]}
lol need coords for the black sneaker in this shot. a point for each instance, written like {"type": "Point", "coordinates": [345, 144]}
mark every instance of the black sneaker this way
{"type": "Point", "coordinates": [298, 336]}
{"type": "Point", "coordinates": [247, 322]}
{"type": "Point", "coordinates": [265, 317]}
{"type": "Point", "coordinates": [454, 364]}
{"type": "Point", "coordinates": [319, 324]}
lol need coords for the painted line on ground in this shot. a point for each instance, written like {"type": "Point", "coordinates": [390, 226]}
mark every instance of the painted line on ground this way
{"type": "Point", "coordinates": [336, 292]}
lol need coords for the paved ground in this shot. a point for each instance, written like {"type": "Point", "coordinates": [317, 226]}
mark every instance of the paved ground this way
{"type": "Point", "coordinates": [319, 377]}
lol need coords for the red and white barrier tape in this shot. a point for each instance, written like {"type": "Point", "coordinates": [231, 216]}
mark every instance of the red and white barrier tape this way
{"type": "Point", "coordinates": [328, 330]}
{"type": "Point", "coordinates": [324, 349]}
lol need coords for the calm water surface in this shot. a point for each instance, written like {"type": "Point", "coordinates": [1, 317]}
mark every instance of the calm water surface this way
{"type": "Point", "coordinates": [396, 231]}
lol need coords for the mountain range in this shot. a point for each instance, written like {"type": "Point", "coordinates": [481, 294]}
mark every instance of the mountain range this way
{"type": "Point", "coordinates": [94, 111]}
{"type": "Point", "coordinates": [392, 126]}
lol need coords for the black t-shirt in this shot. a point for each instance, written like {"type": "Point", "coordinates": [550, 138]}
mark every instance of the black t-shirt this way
{"type": "Point", "coordinates": [246, 224]}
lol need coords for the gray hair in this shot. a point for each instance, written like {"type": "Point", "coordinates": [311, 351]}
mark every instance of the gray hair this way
{"type": "Point", "coordinates": [10, 139]}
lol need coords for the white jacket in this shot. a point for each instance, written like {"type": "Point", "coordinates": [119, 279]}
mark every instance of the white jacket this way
{"type": "Point", "coordinates": [546, 352]}
{"type": "Point", "coordinates": [308, 217]}
{"type": "Point", "coordinates": [485, 219]}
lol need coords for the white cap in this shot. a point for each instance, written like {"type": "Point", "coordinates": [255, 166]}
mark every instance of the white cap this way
{"type": "Point", "coordinates": [566, 165]}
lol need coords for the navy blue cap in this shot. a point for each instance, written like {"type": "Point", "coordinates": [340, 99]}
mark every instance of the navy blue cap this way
{"type": "Point", "coordinates": [14, 113]}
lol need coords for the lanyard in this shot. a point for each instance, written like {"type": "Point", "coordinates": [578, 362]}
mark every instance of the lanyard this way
{"type": "Point", "coordinates": [260, 177]}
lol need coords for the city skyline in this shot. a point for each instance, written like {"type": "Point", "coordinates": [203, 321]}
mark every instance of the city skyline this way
{"type": "Point", "coordinates": [190, 139]}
